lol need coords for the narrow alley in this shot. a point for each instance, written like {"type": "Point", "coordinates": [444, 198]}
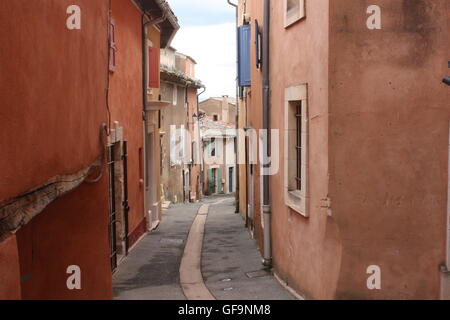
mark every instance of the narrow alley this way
{"type": "Point", "coordinates": [230, 261]}
{"type": "Point", "coordinates": [217, 150]}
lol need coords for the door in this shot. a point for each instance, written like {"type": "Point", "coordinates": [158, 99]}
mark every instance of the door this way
{"type": "Point", "coordinates": [186, 186]}
{"type": "Point", "coordinates": [219, 180]}
{"type": "Point", "coordinates": [251, 204]}
{"type": "Point", "coordinates": [211, 181]}
{"type": "Point", "coordinates": [230, 179]}
{"type": "Point", "coordinates": [112, 208]}
{"type": "Point", "coordinates": [125, 203]}
{"type": "Point", "coordinates": [151, 180]}
{"type": "Point", "coordinates": [197, 186]}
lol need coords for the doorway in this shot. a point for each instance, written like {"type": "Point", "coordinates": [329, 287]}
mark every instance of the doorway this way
{"type": "Point", "coordinates": [151, 181]}
{"type": "Point", "coordinates": [231, 180]}
{"type": "Point", "coordinates": [186, 183]}
{"type": "Point", "coordinates": [251, 208]}
{"type": "Point", "coordinates": [118, 201]}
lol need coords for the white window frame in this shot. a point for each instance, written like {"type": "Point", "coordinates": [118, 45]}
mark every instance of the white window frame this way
{"type": "Point", "coordinates": [291, 18]}
{"type": "Point", "coordinates": [298, 200]}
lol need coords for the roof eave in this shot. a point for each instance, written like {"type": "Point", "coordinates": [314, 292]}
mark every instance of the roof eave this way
{"type": "Point", "coordinates": [161, 8]}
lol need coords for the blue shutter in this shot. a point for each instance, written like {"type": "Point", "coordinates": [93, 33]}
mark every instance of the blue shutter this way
{"type": "Point", "coordinates": [244, 35]}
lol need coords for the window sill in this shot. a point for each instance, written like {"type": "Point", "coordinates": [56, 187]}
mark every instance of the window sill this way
{"type": "Point", "coordinates": [296, 194]}
{"type": "Point", "coordinates": [292, 22]}
{"type": "Point", "coordinates": [297, 202]}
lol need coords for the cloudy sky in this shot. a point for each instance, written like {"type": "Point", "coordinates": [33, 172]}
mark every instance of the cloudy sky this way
{"type": "Point", "coordinates": [208, 35]}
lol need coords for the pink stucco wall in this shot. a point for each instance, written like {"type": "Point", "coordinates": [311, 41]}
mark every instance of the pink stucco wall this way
{"type": "Point", "coordinates": [378, 147]}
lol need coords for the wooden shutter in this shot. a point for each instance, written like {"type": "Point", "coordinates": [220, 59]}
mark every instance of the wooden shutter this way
{"type": "Point", "coordinates": [244, 56]}
{"type": "Point", "coordinates": [153, 65]}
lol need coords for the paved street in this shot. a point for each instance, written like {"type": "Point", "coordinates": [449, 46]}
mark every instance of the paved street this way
{"type": "Point", "coordinates": [230, 261]}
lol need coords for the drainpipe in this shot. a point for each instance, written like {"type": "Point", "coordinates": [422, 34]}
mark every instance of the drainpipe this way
{"type": "Point", "coordinates": [445, 268]}
{"type": "Point", "coordinates": [144, 85]}
{"type": "Point", "coordinates": [238, 187]}
{"type": "Point", "coordinates": [200, 143]}
{"type": "Point", "coordinates": [267, 255]}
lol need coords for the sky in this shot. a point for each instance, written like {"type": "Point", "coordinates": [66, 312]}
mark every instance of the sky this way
{"type": "Point", "coordinates": [208, 34]}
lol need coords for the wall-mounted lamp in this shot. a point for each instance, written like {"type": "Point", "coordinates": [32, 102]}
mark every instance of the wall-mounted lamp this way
{"type": "Point", "coordinates": [446, 80]}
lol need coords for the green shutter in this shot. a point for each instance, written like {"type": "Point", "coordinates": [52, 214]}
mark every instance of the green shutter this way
{"type": "Point", "coordinates": [219, 181]}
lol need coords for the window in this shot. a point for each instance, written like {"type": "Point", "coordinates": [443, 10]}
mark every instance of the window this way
{"type": "Point", "coordinates": [194, 157]}
{"type": "Point", "coordinates": [258, 45]}
{"type": "Point", "coordinates": [295, 11]}
{"type": "Point", "coordinates": [175, 95]}
{"type": "Point", "coordinates": [296, 149]}
{"type": "Point", "coordinates": [112, 46]}
{"type": "Point", "coordinates": [216, 117]}
{"type": "Point", "coordinates": [213, 147]}
{"type": "Point", "coordinates": [183, 146]}
{"type": "Point", "coordinates": [299, 145]}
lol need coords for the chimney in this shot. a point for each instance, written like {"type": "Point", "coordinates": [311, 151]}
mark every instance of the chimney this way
{"type": "Point", "coordinates": [225, 108]}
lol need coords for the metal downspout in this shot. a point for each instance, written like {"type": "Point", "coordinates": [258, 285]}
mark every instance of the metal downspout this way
{"type": "Point", "coordinates": [267, 214]}
{"type": "Point", "coordinates": [200, 144]}
{"type": "Point", "coordinates": [238, 187]}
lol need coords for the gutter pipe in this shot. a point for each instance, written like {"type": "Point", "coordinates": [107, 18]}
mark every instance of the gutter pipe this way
{"type": "Point", "coordinates": [200, 143]}
{"type": "Point", "coordinates": [267, 212]}
{"type": "Point", "coordinates": [238, 187]}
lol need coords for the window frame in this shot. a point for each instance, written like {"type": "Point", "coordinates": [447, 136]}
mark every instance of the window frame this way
{"type": "Point", "coordinates": [297, 197]}
{"type": "Point", "coordinates": [112, 46]}
{"type": "Point", "coordinates": [291, 19]}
